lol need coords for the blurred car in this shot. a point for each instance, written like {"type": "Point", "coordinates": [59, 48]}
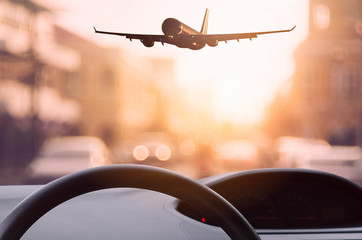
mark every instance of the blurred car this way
{"type": "Point", "coordinates": [317, 154]}
{"type": "Point", "coordinates": [64, 155]}
{"type": "Point", "coordinates": [345, 161]}
{"type": "Point", "coordinates": [153, 148]}
{"type": "Point", "coordinates": [294, 151]}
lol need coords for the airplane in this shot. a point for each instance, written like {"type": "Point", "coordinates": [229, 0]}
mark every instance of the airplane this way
{"type": "Point", "coordinates": [183, 36]}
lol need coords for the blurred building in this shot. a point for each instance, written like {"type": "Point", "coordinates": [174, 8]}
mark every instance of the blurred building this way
{"type": "Point", "coordinates": [325, 96]}
{"type": "Point", "coordinates": [73, 85]}
{"type": "Point", "coordinates": [163, 71]}
{"type": "Point", "coordinates": [144, 95]}
{"type": "Point", "coordinates": [120, 96]}
{"type": "Point", "coordinates": [28, 53]}
{"type": "Point", "coordinates": [94, 86]}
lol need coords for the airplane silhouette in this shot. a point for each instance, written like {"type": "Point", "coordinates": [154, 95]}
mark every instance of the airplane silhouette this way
{"type": "Point", "coordinates": [183, 36]}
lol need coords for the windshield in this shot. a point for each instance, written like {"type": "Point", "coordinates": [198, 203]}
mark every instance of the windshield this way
{"type": "Point", "coordinates": [71, 98]}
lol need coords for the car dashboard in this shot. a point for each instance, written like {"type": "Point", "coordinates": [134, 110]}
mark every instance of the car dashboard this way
{"type": "Point", "coordinates": [288, 199]}
{"type": "Point", "coordinates": [278, 203]}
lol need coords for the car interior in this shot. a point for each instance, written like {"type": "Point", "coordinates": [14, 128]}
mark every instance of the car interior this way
{"type": "Point", "coordinates": [118, 201]}
{"type": "Point", "coordinates": [102, 140]}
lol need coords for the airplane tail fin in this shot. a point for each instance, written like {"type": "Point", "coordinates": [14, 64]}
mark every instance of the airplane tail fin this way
{"type": "Point", "coordinates": [205, 23]}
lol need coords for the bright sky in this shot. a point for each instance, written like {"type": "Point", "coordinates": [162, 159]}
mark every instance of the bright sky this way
{"type": "Point", "coordinates": [244, 75]}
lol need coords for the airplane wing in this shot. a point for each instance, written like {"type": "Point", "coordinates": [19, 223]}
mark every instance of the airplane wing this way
{"type": "Point", "coordinates": [237, 36]}
{"type": "Point", "coordinates": [156, 38]}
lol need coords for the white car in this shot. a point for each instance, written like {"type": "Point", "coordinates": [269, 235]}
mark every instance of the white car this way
{"type": "Point", "coordinates": [345, 161]}
{"type": "Point", "coordinates": [63, 155]}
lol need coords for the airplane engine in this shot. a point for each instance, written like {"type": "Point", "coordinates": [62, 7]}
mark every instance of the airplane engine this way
{"type": "Point", "coordinates": [212, 43]}
{"type": "Point", "coordinates": [148, 42]}
{"type": "Point", "coordinates": [196, 45]}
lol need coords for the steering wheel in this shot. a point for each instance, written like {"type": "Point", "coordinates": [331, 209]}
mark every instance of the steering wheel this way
{"type": "Point", "coordinates": [24, 215]}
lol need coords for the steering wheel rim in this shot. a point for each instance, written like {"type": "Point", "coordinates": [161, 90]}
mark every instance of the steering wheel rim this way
{"type": "Point", "coordinates": [23, 216]}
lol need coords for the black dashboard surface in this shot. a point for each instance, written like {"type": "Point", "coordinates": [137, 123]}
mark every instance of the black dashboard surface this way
{"type": "Point", "coordinates": [279, 203]}
{"type": "Point", "coordinates": [288, 199]}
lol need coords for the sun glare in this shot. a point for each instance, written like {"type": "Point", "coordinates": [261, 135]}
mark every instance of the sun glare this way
{"type": "Point", "coordinates": [244, 76]}
{"type": "Point", "coordinates": [237, 103]}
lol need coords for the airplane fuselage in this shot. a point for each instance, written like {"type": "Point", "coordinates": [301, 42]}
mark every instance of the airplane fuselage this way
{"type": "Point", "coordinates": [181, 35]}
